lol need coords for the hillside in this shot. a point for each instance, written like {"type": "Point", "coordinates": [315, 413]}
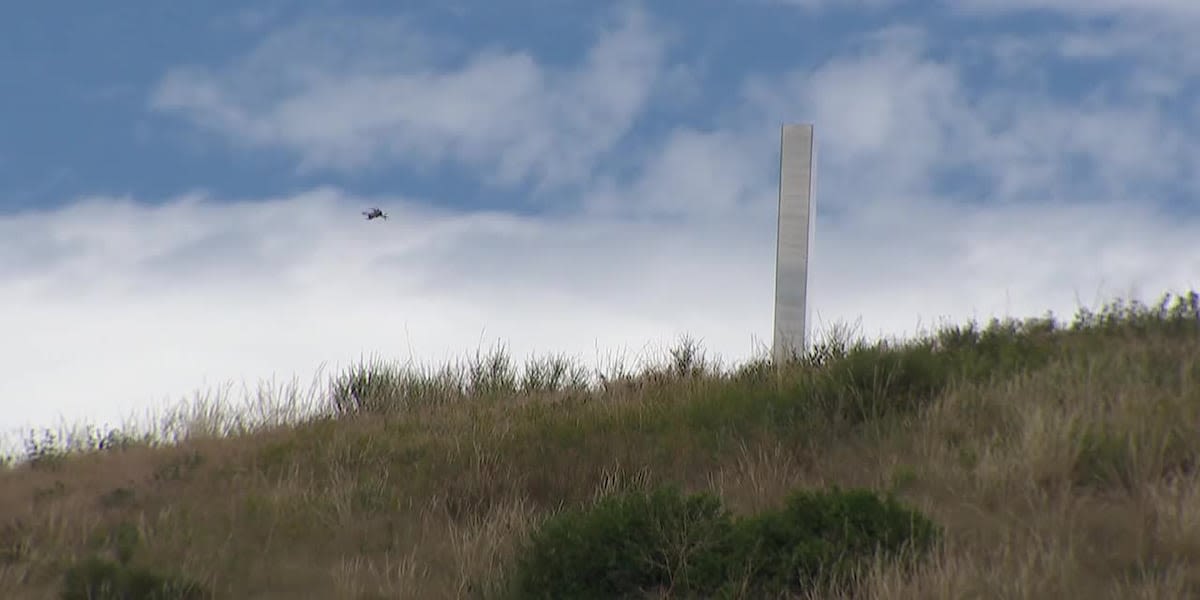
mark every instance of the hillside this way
{"type": "Point", "coordinates": [1057, 461]}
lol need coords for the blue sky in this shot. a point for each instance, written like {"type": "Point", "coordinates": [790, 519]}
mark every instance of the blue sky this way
{"type": "Point", "coordinates": [180, 184]}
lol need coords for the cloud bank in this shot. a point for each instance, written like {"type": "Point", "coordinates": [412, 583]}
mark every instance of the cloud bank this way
{"type": "Point", "coordinates": [341, 100]}
{"type": "Point", "coordinates": [951, 186]}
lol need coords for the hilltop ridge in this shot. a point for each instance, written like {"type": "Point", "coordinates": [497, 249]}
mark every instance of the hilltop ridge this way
{"type": "Point", "coordinates": [1056, 460]}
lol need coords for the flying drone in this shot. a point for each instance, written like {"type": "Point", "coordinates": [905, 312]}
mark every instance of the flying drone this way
{"type": "Point", "coordinates": [374, 213]}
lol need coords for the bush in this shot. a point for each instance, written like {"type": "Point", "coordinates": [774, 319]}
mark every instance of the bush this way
{"type": "Point", "coordinates": [627, 544]}
{"type": "Point", "coordinates": [823, 538]}
{"type": "Point", "coordinates": [869, 383]}
{"type": "Point", "coordinates": [863, 382]}
{"type": "Point", "coordinates": [99, 579]}
{"type": "Point", "coordinates": [631, 544]}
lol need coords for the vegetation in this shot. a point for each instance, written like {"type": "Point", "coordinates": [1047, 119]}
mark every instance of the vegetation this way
{"type": "Point", "coordinates": [635, 542]}
{"type": "Point", "coordinates": [1021, 459]}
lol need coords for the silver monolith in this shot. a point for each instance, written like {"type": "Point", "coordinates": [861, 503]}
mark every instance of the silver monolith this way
{"type": "Point", "coordinates": [796, 219]}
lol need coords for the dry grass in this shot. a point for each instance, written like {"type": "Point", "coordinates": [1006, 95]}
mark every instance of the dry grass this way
{"type": "Point", "coordinates": [1060, 462]}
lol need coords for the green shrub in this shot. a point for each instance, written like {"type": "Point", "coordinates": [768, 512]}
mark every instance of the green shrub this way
{"type": "Point", "coordinates": [627, 544]}
{"type": "Point", "coordinates": [864, 382]}
{"type": "Point", "coordinates": [872, 382]}
{"type": "Point", "coordinates": [636, 543]}
{"type": "Point", "coordinates": [823, 538]}
{"type": "Point", "coordinates": [1138, 320]}
{"type": "Point", "coordinates": [1006, 347]}
{"type": "Point", "coordinates": [99, 579]}
{"type": "Point", "coordinates": [755, 372]}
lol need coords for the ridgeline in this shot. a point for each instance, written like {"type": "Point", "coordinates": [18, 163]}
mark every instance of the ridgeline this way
{"type": "Point", "coordinates": [1024, 459]}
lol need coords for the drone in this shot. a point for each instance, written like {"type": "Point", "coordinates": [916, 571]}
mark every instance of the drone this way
{"type": "Point", "coordinates": [373, 213]}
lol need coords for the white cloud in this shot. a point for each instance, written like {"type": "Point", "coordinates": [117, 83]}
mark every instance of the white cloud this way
{"type": "Point", "coordinates": [391, 96]}
{"type": "Point", "coordinates": [887, 110]}
{"type": "Point", "coordinates": [1135, 9]}
{"type": "Point", "coordinates": [813, 5]}
{"type": "Point", "coordinates": [891, 120]}
{"type": "Point", "coordinates": [697, 174]}
{"type": "Point", "coordinates": [1172, 9]}
{"type": "Point", "coordinates": [124, 303]}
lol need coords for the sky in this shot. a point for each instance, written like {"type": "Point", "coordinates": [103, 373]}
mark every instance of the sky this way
{"type": "Point", "coordinates": [181, 183]}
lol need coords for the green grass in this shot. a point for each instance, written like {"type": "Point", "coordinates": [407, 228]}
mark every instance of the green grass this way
{"type": "Point", "coordinates": [1056, 460]}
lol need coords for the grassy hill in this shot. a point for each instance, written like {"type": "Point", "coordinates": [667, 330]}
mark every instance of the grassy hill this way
{"type": "Point", "coordinates": [1057, 461]}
